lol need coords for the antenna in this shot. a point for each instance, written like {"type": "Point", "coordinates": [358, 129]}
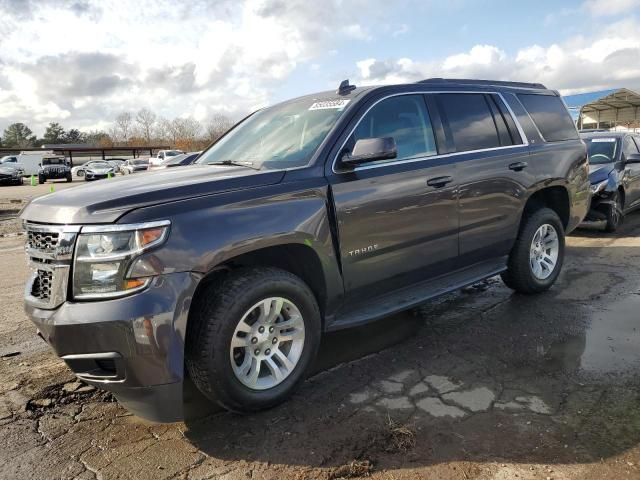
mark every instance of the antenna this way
{"type": "Point", "coordinates": [345, 88]}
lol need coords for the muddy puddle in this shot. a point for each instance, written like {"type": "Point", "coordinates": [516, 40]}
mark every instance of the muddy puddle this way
{"type": "Point", "coordinates": [609, 344]}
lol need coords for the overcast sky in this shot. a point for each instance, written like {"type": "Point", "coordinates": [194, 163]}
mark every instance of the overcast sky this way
{"type": "Point", "coordinates": [81, 62]}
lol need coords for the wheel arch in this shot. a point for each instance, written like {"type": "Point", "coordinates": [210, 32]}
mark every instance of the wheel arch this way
{"type": "Point", "coordinates": [555, 197]}
{"type": "Point", "coordinates": [296, 258]}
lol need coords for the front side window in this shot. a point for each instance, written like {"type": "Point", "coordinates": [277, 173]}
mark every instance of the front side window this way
{"type": "Point", "coordinates": [406, 120]}
{"type": "Point", "coordinates": [279, 137]}
{"type": "Point", "coordinates": [629, 147]}
{"type": "Point", "coordinates": [471, 121]}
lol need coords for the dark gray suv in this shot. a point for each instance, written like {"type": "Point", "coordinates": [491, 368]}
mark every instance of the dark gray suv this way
{"type": "Point", "coordinates": [316, 214]}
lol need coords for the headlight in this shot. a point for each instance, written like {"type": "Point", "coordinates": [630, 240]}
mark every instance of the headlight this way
{"type": "Point", "coordinates": [105, 254]}
{"type": "Point", "coordinates": [598, 187]}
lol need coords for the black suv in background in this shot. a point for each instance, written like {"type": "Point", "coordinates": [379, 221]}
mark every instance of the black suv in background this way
{"type": "Point", "coordinates": [319, 213]}
{"type": "Point", "coordinates": [614, 173]}
{"type": "Point", "coordinates": [54, 167]}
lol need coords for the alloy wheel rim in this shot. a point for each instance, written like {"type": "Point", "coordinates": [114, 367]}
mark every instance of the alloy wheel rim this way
{"type": "Point", "coordinates": [543, 255]}
{"type": "Point", "coordinates": [267, 343]}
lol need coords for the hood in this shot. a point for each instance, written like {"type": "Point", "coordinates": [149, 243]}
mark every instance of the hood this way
{"type": "Point", "coordinates": [99, 169]}
{"type": "Point", "coordinates": [599, 173]}
{"type": "Point", "coordinates": [9, 169]}
{"type": "Point", "coordinates": [105, 202]}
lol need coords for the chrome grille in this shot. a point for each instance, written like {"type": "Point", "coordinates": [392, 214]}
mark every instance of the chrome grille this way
{"type": "Point", "coordinates": [42, 283]}
{"type": "Point", "coordinates": [45, 241]}
{"type": "Point", "coordinates": [50, 250]}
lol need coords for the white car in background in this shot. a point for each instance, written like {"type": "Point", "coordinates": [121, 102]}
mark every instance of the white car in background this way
{"type": "Point", "coordinates": [163, 155]}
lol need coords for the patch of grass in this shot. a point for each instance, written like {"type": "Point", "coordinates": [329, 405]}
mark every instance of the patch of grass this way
{"type": "Point", "coordinates": [400, 438]}
{"type": "Point", "coordinates": [354, 469]}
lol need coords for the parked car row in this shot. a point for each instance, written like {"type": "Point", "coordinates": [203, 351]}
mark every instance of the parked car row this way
{"type": "Point", "coordinates": [48, 165]}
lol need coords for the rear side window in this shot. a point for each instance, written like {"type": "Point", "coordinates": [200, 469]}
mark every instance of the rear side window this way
{"type": "Point", "coordinates": [550, 116]}
{"type": "Point", "coordinates": [471, 121]}
{"type": "Point", "coordinates": [405, 118]}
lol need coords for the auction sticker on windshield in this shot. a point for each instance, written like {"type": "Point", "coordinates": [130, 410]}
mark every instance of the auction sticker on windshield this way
{"type": "Point", "coordinates": [338, 104]}
{"type": "Point", "coordinates": [603, 140]}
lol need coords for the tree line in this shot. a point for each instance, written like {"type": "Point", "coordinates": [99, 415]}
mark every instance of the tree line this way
{"type": "Point", "coordinates": [128, 129]}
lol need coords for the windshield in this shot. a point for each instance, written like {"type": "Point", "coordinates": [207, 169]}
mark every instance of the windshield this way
{"type": "Point", "coordinates": [99, 165]}
{"type": "Point", "coordinates": [6, 159]}
{"type": "Point", "coordinates": [601, 150]}
{"type": "Point", "coordinates": [52, 161]}
{"type": "Point", "coordinates": [172, 153]}
{"type": "Point", "coordinates": [282, 136]}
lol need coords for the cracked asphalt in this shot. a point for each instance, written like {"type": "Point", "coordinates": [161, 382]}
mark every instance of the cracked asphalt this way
{"type": "Point", "coordinates": [480, 384]}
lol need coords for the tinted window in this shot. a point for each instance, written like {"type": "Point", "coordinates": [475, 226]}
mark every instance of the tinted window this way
{"type": "Point", "coordinates": [470, 120]}
{"type": "Point", "coordinates": [405, 118]}
{"type": "Point", "coordinates": [550, 116]}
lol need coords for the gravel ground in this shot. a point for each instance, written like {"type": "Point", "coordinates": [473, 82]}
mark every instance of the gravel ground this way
{"type": "Point", "coordinates": [481, 384]}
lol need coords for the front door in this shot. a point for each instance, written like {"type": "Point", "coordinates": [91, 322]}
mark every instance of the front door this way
{"type": "Point", "coordinates": [397, 219]}
{"type": "Point", "coordinates": [632, 173]}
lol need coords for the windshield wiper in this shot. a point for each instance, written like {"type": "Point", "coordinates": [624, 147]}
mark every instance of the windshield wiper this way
{"type": "Point", "coordinates": [235, 163]}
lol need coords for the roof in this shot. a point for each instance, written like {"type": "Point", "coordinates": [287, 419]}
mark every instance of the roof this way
{"type": "Point", "coordinates": [607, 134]}
{"type": "Point", "coordinates": [613, 105]}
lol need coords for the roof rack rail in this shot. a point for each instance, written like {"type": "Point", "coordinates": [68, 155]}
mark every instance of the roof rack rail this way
{"type": "Point", "coordinates": [484, 82]}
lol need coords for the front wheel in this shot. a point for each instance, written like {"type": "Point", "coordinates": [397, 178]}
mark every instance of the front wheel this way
{"type": "Point", "coordinates": [537, 256]}
{"type": "Point", "coordinates": [41, 179]}
{"type": "Point", "coordinates": [252, 337]}
{"type": "Point", "coordinates": [615, 215]}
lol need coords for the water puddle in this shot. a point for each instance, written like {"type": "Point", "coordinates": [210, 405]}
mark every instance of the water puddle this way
{"type": "Point", "coordinates": [609, 345]}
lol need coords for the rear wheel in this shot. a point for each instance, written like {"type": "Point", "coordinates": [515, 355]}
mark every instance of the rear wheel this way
{"type": "Point", "coordinates": [69, 178]}
{"type": "Point", "coordinates": [252, 337]}
{"type": "Point", "coordinates": [537, 256]}
{"type": "Point", "coordinates": [80, 173]}
{"type": "Point", "coordinates": [615, 215]}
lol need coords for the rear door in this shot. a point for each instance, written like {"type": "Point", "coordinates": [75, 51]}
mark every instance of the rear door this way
{"type": "Point", "coordinates": [397, 219]}
{"type": "Point", "coordinates": [492, 170]}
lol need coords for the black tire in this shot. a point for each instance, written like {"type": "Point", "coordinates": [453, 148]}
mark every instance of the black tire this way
{"type": "Point", "coordinates": [213, 318]}
{"type": "Point", "coordinates": [69, 178]}
{"type": "Point", "coordinates": [80, 173]}
{"type": "Point", "coordinates": [41, 179]}
{"type": "Point", "coordinates": [615, 215]}
{"type": "Point", "coordinates": [519, 275]}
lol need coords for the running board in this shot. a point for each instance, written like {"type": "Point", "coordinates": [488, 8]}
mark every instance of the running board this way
{"type": "Point", "coordinates": [417, 294]}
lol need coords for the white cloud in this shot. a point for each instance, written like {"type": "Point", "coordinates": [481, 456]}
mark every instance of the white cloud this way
{"type": "Point", "coordinates": [478, 55]}
{"type": "Point", "coordinates": [601, 8]}
{"type": "Point", "coordinates": [86, 60]}
{"type": "Point", "coordinates": [609, 58]}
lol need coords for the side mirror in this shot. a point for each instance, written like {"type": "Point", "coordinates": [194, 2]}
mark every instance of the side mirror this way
{"type": "Point", "coordinates": [370, 149]}
{"type": "Point", "coordinates": [632, 158]}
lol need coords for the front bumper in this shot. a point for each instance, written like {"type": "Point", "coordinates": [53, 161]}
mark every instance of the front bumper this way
{"type": "Point", "coordinates": [95, 176]}
{"type": "Point", "coordinates": [600, 203]}
{"type": "Point", "coordinates": [131, 346]}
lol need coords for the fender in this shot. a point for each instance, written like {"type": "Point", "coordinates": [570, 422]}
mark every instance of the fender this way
{"type": "Point", "coordinates": [207, 232]}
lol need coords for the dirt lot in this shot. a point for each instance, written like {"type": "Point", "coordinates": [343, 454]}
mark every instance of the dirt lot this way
{"type": "Point", "coordinates": [482, 384]}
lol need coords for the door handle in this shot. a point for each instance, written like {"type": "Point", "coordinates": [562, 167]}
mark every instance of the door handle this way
{"type": "Point", "coordinates": [518, 166]}
{"type": "Point", "coordinates": [439, 182]}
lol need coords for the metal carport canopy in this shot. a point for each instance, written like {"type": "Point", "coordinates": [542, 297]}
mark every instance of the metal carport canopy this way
{"type": "Point", "coordinates": [614, 107]}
